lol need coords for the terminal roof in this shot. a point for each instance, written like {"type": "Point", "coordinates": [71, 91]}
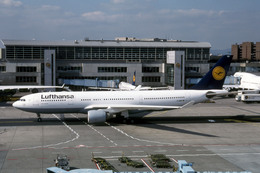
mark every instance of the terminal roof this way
{"type": "Point", "coordinates": [109, 43]}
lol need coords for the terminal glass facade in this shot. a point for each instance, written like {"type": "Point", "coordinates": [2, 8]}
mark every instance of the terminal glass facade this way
{"type": "Point", "coordinates": [103, 53]}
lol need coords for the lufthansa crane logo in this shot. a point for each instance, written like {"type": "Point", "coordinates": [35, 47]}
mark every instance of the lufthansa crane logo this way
{"type": "Point", "coordinates": [218, 73]}
{"type": "Point", "coordinates": [48, 64]}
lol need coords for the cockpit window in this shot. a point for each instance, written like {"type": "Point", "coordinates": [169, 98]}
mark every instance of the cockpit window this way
{"type": "Point", "coordinates": [22, 100]}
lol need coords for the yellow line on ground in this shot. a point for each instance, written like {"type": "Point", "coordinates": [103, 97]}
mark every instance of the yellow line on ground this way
{"type": "Point", "coordinates": [236, 121]}
{"type": "Point", "coordinates": [242, 121]}
{"type": "Point", "coordinates": [255, 118]}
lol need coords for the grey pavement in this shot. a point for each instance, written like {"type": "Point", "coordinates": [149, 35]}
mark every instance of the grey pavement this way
{"type": "Point", "coordinates": [220, 136]}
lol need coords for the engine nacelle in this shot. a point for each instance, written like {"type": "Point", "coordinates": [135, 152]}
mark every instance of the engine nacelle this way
{"type": "Point", "coordinates": [96, 116]}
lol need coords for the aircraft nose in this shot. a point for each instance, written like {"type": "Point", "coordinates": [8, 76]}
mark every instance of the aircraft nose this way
{"type": "Point", "coordinates": [16, 104]}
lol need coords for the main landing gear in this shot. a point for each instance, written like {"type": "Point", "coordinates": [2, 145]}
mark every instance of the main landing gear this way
{"type": "Point", "coordinates": [39, 118]}
{"type": "Point", "coordinates": [124, 118]}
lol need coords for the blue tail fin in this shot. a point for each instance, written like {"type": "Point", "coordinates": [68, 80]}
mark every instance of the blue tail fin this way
{"type": "Point", "coordinates": [215, 78]}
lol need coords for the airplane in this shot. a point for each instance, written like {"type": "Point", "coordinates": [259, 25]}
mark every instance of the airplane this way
{"type": "Point", "coordinates": [248, 80]}
{"type": "Point", "coordinates": [124, 86]}
{"type": "Point", "coordinates": [102, 105]}
{"type": "Point", "coordinates": [128, 86]}
{"type": "Point", "coordinates": [33, 87]}
{"type": "Point", "coordinates": [121, 86]}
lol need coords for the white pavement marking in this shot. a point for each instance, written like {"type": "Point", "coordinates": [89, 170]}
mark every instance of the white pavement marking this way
{"type": "Point", "coordinates": [215, 154]}
{"type": "Point", "coordinates": [160, 151]}
{"type": "Point", "coordinates": [138, 151]}
{"type": "Point", "coordinates": [97, 152]}
{"type": "Point", "coordinates": [225, 149]}
{"type": "Point", "coordinates": [52, 145]}
{"type": "Point", "coordinates": [90, 126]}
{"type": "Point", "coordinates": [142, 140]}
{"type": "Point", "coordinates": [182, 150]}
{"type": "Point", "coordinates": [117, 152]}
{"type": "Point", "coordinates": [174, 160]}
{"type": "Point", "coordinates": [202, 150]}
{"type": "Point", "coordinates": [147, 165]}
{"type": "Point", "coordinates": [97, 166]}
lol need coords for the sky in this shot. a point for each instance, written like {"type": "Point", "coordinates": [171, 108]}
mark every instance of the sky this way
{"type": "Point", "coordinates": [219, 22]}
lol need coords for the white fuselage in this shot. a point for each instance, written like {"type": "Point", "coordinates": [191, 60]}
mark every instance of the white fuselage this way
{"type": "Point", "coordinates": [76, 102]}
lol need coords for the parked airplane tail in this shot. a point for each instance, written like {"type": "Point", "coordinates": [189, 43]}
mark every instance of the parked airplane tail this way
{"type": "Point", "coordinates": [133, 83]}
{"type": "Point", "coordinates": [215, 78]}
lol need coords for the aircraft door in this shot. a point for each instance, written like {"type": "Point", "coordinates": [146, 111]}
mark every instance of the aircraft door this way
{"type": "Point", "coordinates": [187, 97]}
{"type": "Point", "coordinates": [70, 102]}
{"type": "Point", "coordinates": [35, 101]}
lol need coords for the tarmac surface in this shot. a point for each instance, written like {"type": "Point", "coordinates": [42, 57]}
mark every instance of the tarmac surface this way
{"type": "Point", "coordinates": [220, 136]}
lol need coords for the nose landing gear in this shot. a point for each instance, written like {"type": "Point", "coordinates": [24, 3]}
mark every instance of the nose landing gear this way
{"type": "Point", "coordinates": [39, 117]}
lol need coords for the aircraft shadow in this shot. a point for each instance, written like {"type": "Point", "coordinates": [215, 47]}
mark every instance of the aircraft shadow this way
{"type": "Point", "coordinates": [161, 122]}
{"type": "Point", "coordinates": [174, 129]}
{"type": "Point", "coordinates": [158, 123]}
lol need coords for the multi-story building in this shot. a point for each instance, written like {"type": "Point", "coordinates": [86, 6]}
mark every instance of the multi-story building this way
{"type": "Point", "coordinates": [24, 62]}
{"type": "Point", "coordinates": [247, 57]}
{"type": "Point", "coordinates": [247, 51]}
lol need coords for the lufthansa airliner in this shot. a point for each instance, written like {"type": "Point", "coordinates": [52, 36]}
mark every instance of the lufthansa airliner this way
{"type": "Point", "coordinates": [101, 105]}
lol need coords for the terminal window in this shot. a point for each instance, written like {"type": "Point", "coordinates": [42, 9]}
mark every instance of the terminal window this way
{"type": "Point", "coordinates": [26, 69]}
{"type": "Point", "coordinates": [112, 69]}
{"type": "Point", "coordinates": [2, 68]}
{"type": "Point", "coordinates": [192, 69]}
{"type": "Point", "coordinates": [151, 79]}
{"type": "Point", "coordinates": [150, 69]}
{"type": "Point", "coordinates": [69, 69]}
{"type": "Point", "coordinates": [25, 79]}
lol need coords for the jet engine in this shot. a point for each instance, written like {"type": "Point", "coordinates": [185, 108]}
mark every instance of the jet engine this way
{"type": "Point", "coordinates": [96, 116]}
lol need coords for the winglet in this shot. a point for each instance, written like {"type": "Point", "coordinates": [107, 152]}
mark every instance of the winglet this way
{"type": "Point", "coordinates": [66, 88]}
{"type": "Point", "coordinates": [138, 88]}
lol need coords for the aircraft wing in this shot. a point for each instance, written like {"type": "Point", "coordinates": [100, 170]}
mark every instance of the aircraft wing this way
{"type": "Point", "coordinates": [124, 107]}
{"type": "Point", "coordinates": [213, 93]}
{"type": "Point", "coordinates": [104, 88]}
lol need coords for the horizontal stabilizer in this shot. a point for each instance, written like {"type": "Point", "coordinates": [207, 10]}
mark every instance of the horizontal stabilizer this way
{"type": "Point", "coordinates": [213, 93]}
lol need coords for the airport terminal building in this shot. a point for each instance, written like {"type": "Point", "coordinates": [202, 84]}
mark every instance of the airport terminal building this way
{"type": "Point", "coordinates": [34, 62]}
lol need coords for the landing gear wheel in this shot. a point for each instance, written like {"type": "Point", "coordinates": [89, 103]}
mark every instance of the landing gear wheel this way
{"type": "Point", "coordinates": [129, 121]}
{"type": "Point", "coordinates": [39, 117]}
{"type": "Point", "coordinates": [132, 121]}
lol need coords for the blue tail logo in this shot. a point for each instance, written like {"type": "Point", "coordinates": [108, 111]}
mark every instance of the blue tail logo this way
{"type": "Point", "coordinates": [215, 78]}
